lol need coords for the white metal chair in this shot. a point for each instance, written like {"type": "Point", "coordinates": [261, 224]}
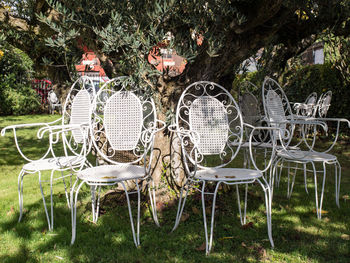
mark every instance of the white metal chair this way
{"type": "Point", "coordinates": [252, 114]}
{"type": "Point", "coordinates": [323, 104]}
{"type": "Point", "coordinates": [279, 114]}
{"type": "Point", "coordinates": [249, 104]}
{"type": "Point", "coordinates": [54, 102]}
{"type": "Point", "coordinates": [210, 127]}
{"type": "Point", "coordinates": [308, 107]}
{"type": "Point", "coordinates": [261, 142]}
{"type": "Point", "coordinates": [76, 113]}
{"type": "Point", "coordinates": [122, 132]}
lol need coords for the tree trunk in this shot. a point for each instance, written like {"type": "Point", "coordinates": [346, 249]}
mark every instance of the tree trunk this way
{"type": "Point", "coordinates": [167, 167]}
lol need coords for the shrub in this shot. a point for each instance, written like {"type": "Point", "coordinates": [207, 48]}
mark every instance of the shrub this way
{"type": "Point", "coordinates": [300, 82]}
{"type": "Point", "coordinates": [16, 94]}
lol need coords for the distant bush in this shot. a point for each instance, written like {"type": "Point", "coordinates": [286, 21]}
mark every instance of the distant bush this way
{"type": "Point", "coordinates": [16, 94]}
{"type": "Point", "coordinates": [299, 83]}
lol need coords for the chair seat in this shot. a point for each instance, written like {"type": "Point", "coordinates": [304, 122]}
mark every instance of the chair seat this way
{"type": "Point", "coordinates": [254, 144]}
{"type": "Point", "coordinates": [112, 173]}
{"type": "Point", "coordinates": [53, 164]}
{"type": "Point", "coordinates": [263, 145]}
{"type": "Point", "coordinates": [227, 174]}
{"type": "Point", "coordinates": [258, 144]}
{"type": "Point", "coordinates": [308, 156]}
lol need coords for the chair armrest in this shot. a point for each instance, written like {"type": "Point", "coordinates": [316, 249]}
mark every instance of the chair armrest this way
{"type": "Point", "coordinates": [330, 119]}
{"type": "Point", "coordinates": [148, 134]}
{"type": "Point", "coordinates": [17, 126]}
{"type": "Point", "coordinates": [154, 130]}
{"type": "Point", "coordinates": [290, 151]}
{"type": "Point", "coordinates": [302, 121]}
{"type": "Point", "coordinates": [161, 123]}
{"type": "Point", "coordinates": [57, 129]}
{"type": "Point", "coordinates": [299, 105]}
{"type": "Point", "coordinates": [27, 125]}
{"type": "Point", "coordinates": [302, 105]}
{"type": "Point", "coordinates": [338, 121]}
{"type": "Point", "coordinates": [193, 135]}
{"type": "Point", "coordinates": [273, 142]}
{"type": "Point", "coordinates": [194, 138]}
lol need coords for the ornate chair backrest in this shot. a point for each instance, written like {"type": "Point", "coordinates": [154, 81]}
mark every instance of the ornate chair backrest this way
{"type": "Point", "coordinates": [250, 107]}
{"type": "Point", "coordinates": [77, 110]}
{"type": "Point", "coordinates": [277, 108]}
{"type": "Point", "coordinates": [324, 103]}
{"type": "Point", "coordinates": [52, 97]}
{"type": "Point", "coordinates": [210, 112]}
{"type": "Point", "coordinates": [249, 104]}
{"type": "Point", "coordinates": [310, 101]}
{"type": "Point", "coordinates": [122, 121]}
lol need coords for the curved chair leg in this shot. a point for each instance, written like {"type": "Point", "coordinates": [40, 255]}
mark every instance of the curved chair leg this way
{"type": "Point", "coordinates": [65, 188]}
{"type": "Point", "coordinates": [288, 174]}
{"type": "Point", "coordinates": [305, 178]}
{"type": "Point", "coordinates": [181, 205]}
{"type": "Point", "coordinates": [322, 191]}
{"type": "Point", "coordinates": [278, 178]}
{"type": "Point", "coordinates": [209, 240]}
{"type": "Point", "coordinates": [51, 197]}
{"type": "Point", "coordinates": [98, 202]}
{"type": "Point", "coordinates": [337, 182]}
{"type": "Point", "coordinates": [93, 202]}
{"type": "Point", "coordinates": [43, 197]}
{"type": "Point", "coordinates": [268, 204]}
{"type": "Point", "coordinates": [20, 193]}
{"type": "Point", "coordinates": [245, 159]}
{"type": "Point", "coordinates": [152, 197]}
{"type": "Point", "coordinates": [136, 236]}
{"type": "Point", "coordinates": [316, 194]}
{"type": "Point", "coordinates": [243, 220]}
{"type": "Point", "coordinates": [319, 202]}
{"type": "Point", "coordinates": [73, 202]}
{"type": "Point", "coordinates": [273, 175]}
{"type": "Point", "coordinates": [138, 211]}
{"type": "Point", "coordinates": [293, 181]}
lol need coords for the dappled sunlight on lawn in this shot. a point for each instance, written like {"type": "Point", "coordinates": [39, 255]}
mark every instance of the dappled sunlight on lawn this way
{"type": "Point", "coordinates": [299, 236]}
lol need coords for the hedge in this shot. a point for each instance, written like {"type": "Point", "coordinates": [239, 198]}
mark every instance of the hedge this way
{"type": "Point", "coordinates": [16, 94]}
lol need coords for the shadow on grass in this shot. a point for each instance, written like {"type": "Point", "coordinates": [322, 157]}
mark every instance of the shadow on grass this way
{"type": "Point", "coordinates": [22, 256]}
{"type": "Point", "coordinates": [296, 230]}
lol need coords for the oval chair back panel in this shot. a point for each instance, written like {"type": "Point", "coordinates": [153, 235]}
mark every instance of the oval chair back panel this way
{"type": "Point", "coordinates": [277, 109]}
{"type": "Point", "coordinates": [208, 118]}
{"type": "Point", "coordinates": [210, 111]}
{"type": "Point", "coordinates": [80, 113]}
{"type": "Point", "coordinates": [78, 110]}
{"type": "Point", "coordinates": [123, 120]}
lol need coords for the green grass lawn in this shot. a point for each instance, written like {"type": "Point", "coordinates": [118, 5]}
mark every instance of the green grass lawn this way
{"type": "Point", "coordinates": [298, 235]}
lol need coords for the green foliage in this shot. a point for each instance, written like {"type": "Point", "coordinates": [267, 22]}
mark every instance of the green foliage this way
{"type": "Point", "coordinates": [300, 82]}
{"type": "Point", "coordinates": [125, 31]}
{"type": "Point", "coordinates": [16, 94]}
{"type": "Point", "coordinates": [337, 51]}
{"type": "Point", "coordinates": [14, 60]}
{"type": "Point", "coordinates": [254, 77]}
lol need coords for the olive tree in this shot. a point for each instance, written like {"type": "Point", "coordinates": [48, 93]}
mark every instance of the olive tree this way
{"type": "Point", "coordinates": [122, 33]}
